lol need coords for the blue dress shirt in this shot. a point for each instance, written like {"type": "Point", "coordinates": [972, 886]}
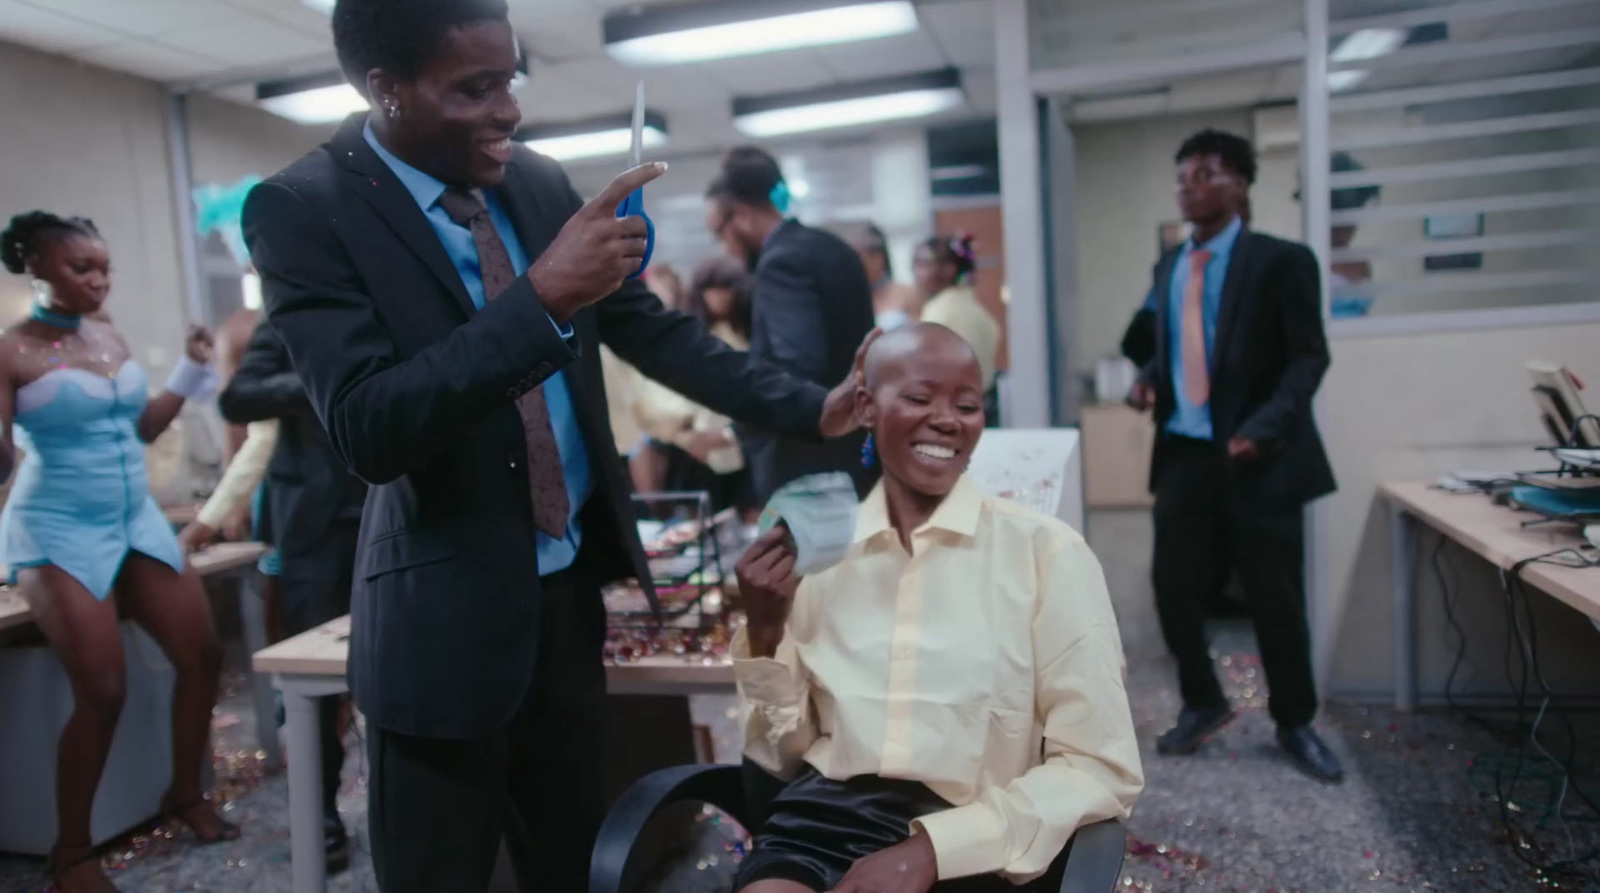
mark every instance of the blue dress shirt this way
{"type": "Point", "coordinates": [1189, 420]}
{"type": "Point", "coordinates": [554, 554]}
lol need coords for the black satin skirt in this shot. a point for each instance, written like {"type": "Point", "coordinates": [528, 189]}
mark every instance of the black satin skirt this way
{"type": "Point", "coordinates": [818, 828]}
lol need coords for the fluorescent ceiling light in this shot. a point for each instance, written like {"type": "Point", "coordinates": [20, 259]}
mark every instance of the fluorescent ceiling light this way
{"type": "Point", "coordinates": [323, 6]}
{"type": "Point", "coordinates": [728, 28]}
{"type": "Point", "coordinates": [1348, 79]}
{"type": "Point", "coordinates": [869, 102]}
{"type": "Point", "coordinates": [312, 100]}
{"type": "Point", "coordinates": [594, 145]}
{"type": "Point", "coordinates": [1368, 43]}
{"type": "Point", "coordinates": [593, 137]}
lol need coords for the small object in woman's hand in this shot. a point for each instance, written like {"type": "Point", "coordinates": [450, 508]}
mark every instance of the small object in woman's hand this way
{"type": "Point", "coordinates": [819, 511]}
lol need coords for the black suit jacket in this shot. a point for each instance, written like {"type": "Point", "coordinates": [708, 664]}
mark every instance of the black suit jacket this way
{"type": "Point", "coordinates": [1266, 363]}
{"type": "Point", "coordinates": [416, 389]}
{"type": "Point", "coordinates": [308, 486]}
{"type": "Point", "coordinates": [811, 310]}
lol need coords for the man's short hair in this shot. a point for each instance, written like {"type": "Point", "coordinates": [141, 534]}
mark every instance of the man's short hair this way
{"type": "Point", "coordinates": [1235, 151]}
{"type": "Point", "coordinates": [400, 36]}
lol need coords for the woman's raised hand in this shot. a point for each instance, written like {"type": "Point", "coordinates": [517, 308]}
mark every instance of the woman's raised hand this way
{"type": "Point", "coordinates": [767, 585]}
{"type": "Point", "coordinates": [199, 345]}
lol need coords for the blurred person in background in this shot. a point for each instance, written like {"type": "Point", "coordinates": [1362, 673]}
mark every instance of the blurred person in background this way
{"type": "Point", "coordinates": [1240, 353]}
{"type": "Point", "coordinates": [943, 266]}
{"type": "Point", "coordinates": [234, 511]}
{"type": "Point", "coordinates": [811, 310]}
{"type": "Point", "coordinates": [314, 505]}
{"type": "Point", "coordinates": [691, 447]}
{"type": "Point", "coordinates": [71, 536]}
{"type": "Point", "coordinates": [664, 281]}
{"type": "Point", "coordinates": [894, 304]}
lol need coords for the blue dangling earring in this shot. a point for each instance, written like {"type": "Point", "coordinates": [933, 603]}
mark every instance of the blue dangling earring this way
{"type": "Point", "coordinates": [869, 452]}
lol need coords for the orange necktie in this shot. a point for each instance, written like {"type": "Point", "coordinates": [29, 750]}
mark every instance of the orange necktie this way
{"type": "Point", "coordinates": [1196, 375]}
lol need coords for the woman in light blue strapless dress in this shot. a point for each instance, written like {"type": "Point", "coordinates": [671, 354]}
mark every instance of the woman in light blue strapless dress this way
{"type": "Point", "coordinates": [81, 524]}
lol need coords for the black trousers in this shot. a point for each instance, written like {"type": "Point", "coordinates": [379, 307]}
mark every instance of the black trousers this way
{"type": "Point", "coordinates": [1203, 531]}
{"type": "Point", "coordinates": [439, 808]}
{"type": "Point", "coordinates": [315, 588]}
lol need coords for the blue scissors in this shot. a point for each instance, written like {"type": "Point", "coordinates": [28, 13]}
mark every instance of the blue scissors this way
{"type": "Point", "coordinates": [633, 205]}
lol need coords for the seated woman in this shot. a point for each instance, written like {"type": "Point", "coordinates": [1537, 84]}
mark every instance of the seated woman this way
{"type": "Point", "coordinates": [947, 702]}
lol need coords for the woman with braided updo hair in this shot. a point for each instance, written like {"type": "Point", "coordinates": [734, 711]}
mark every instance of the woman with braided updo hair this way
{"type": "Point", "coordinates": [80, 522]}
{"type": "Point", "coordinates": [943, 266]}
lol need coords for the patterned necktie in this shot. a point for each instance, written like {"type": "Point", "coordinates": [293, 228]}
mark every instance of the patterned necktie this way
{"type": "Point", "coordinates": [1196, 374]}
{"type": "Point", "coordinates": [546, 483]}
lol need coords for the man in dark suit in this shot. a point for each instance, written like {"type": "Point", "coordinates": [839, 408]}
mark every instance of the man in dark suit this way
{"type": "Point", "coordinates": [812, 307]}
{"type": "Point", "coordinates": [314, 508]}
{"type": "Point", "coordinates": [1239, 353]}
{"type": "Point", "coordinates": [443, 293]}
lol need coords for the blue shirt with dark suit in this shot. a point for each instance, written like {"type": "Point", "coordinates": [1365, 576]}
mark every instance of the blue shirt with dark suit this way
{"type": "Point", "coordinates": [554, 554]}
{"type": "Point", "coordinates": [1189, 420]}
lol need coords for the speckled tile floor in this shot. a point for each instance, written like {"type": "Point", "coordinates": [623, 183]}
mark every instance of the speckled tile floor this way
{"type": "Point", "coordinates": [1417, 812]}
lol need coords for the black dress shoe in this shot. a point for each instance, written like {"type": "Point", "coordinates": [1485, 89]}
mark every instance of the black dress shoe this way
{"type": "Point", "coordinates": [335, 844]}
{"type": "Point", "coordinates": [1310, 755]}
{"type": "Point", "coordinates": [1194, 726]}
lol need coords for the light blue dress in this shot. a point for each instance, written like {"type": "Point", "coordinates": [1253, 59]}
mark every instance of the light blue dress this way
{"type": "Point", "coordinates": [81, 500]}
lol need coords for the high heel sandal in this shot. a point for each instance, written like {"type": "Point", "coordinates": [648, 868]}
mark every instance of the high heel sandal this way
{"type": "Point", "coordinates": [63, 859]}
{"type": "Point", "coordinates": [172, 812]}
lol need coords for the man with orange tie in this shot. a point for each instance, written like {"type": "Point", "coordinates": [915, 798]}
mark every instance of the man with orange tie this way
{"type": "Point", "coordinates": [1240, 351]}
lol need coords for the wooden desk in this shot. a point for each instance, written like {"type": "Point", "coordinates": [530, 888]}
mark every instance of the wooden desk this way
{"type": "Point", "coordinates": [221, 560]}
{"type": "Point", "coordinates": [1495, 533]}
{"type": "Point", "coordinates": [313, 664]}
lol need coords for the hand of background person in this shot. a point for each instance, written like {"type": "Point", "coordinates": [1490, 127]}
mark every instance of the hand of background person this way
{"type": "Point", "coordinates": [839, 409]}
{"type": "Point", "coordinates": [237, 528]}
{"type": "Point", "coordinates": [595, 251]}
{"type": "Point", "coordinates": [909, 867]}
{"type": "Point", "coordinates": [1142, 396]}
{"type": "Point", "coordinates": [196, 536]}
{"type": "Point", "coordinates": [767, 585]}
{"type": "Point", "coordinates": [1243, 449]}
{"type": "Point", "coordinates": [199, 345]}
{"type": "Point", "coordinates": [701, 444]}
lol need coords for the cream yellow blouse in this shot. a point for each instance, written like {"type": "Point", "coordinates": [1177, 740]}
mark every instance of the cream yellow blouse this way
{"type": "Point", "coordinates": [984, 663]}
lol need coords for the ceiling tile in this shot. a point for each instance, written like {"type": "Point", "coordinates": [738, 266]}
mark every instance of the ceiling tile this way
{"type": "Point", "coordinates": [259, 43]}
{"type": "Point", "coordinates": [149, 60]}
{"type": "Point", "coordinates": [878, 58]}
{"type": "Point", "coordinates": [964, 30]}
{"type": "Point", "coordinates": [50, 31]}
{"type": "Point", "coordinates": [683, 88]}
{"type": "Point", "coordinates": [145, 17]}
{"type": "Point", "coordinates": [291, 13]}
{"type": "Point", "coordinates": [774, 73]}
{"type": "Point", "coordinates": [558, 30]}
{"type": "Point", "coordinates": [601, 75]}
{"type": "Point", "coordinates": [549, 95]}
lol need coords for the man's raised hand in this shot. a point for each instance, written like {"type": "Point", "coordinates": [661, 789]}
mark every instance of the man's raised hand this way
{"type": "Point", "coordinates": [595, 251]}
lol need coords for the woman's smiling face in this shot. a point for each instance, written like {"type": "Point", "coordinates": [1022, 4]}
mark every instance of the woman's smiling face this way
{"type": "Point", "coordinates": [923, 402]}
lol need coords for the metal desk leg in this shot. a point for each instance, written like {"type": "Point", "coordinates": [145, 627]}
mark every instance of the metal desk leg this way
{"type": "Point", "coordinates": [1402, 550]}
{"type": "Point", "coordinates": [308, 858]}
{"type": "Point", "coordinates": [252, 613]}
